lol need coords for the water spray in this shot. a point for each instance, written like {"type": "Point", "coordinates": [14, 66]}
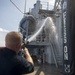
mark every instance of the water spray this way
{"type": "Point", "coordinates": [27, 40]}
{"type": "Point", "coordinates": [37, 33]}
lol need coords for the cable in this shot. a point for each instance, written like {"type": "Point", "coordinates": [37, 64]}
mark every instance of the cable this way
{"type": "Point", "coordinates": [16, 6]}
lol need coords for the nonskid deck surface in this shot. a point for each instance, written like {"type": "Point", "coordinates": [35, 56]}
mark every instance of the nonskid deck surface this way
{"type": "Point", "coordinates": [46, 69]}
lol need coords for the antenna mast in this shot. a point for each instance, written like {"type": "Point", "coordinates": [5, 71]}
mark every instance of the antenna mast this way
{"type": "Point", "coordinates": [25, 8]}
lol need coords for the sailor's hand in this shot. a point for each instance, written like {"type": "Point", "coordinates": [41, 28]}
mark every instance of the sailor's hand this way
{"type": "Point", "coordinates": [26, 52]}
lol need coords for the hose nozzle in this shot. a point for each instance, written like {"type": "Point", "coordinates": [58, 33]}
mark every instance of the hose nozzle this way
{"type": "Point", "coordinates": [24, 44]}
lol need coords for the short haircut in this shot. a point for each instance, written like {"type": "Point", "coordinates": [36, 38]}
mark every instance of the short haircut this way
{"type": "Point", "coordinates": [13, 38]}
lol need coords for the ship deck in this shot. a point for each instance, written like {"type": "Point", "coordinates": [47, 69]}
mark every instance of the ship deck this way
{"type": "Point", "coordinates": [46, 69]}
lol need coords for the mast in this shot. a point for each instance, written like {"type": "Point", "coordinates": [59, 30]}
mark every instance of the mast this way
{"type": "Point", "coordinates": [25, 8]}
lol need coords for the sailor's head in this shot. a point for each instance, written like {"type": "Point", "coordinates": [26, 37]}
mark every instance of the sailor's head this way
{"type": "Point", "coordinates": [13, 41]}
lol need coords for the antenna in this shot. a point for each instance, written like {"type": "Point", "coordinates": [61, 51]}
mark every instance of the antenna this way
{"type": "Point", "coordinates": [25, 8]}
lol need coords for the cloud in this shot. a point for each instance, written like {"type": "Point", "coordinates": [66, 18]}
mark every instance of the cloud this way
{"type": "Point", "coordinates": [2, 38]}
{"type": "Point", "coordinates": [3, 33]}
{"type": "Point", "coordinates": [3, 30]}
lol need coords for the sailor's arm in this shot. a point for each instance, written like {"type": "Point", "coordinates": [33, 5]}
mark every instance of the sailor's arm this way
{"type": "Point", "coordinates": [28, 56]}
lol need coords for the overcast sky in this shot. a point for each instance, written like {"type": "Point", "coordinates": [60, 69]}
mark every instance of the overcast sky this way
{"type": "Point", "coordinates": [10, 16]}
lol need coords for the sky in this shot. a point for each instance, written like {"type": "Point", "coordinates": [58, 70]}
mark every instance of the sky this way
{"type": "Point", "coordinates": [10, 17]}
